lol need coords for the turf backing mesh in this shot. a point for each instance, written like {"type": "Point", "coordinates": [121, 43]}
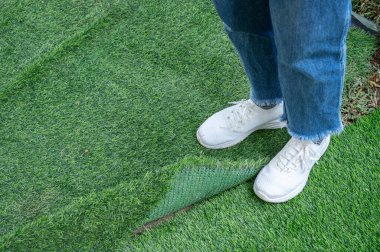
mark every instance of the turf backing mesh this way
{"type": "Point", "coordinates": [201, 178]}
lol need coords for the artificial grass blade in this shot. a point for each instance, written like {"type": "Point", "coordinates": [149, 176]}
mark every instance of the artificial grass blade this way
{"type": "Point", "coordinates": [99, 109]}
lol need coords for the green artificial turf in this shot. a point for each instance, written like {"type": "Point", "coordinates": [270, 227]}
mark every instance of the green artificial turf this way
{"type": "Point", "coordinates": [99, 104]}
{"type": "Point", "coordinates": [339, 209]}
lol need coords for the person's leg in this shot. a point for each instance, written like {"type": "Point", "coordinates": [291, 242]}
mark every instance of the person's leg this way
{"type": "Point", "coordinates": [248, 25]}
{"type": "Point", "coordinates": [310, 36]}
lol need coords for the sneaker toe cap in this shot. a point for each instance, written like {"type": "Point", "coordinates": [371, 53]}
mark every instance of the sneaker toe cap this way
{"type": "Point", "coordinates": [207, 136]}
{"type": "Point", "coordinates": [270, 189]}
{"type": "Point", "coordinates": [210, 135]}
{"type": "Point", "coordinates": [269, 192]}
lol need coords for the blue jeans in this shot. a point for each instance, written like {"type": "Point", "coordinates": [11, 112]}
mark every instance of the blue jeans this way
{"type": "Point", "coordinates": [293, 51]}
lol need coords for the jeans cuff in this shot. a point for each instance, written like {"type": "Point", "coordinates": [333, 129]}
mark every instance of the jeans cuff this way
{"type": "Point", "coordinates": [266, 102]}
{"type": "Point", "coordinates": [318, 136]}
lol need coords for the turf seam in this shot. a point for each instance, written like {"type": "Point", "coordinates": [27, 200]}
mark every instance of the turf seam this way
{"type": "Point", "coordinates": [188, 163]}
{"type": "Point", "coordinates": [10, 89]}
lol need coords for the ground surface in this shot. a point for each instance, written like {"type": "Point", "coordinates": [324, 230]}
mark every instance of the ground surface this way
{"type": "Point", "coordinates": [100, 101]}
{"type": "Point", "coordinates": [338, 210]}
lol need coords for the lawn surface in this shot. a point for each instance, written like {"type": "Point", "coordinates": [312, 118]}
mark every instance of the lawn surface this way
{"type": "Point", "coordinates": [100, 101]}
{"type": "Point", "coordinates": [339, 210]}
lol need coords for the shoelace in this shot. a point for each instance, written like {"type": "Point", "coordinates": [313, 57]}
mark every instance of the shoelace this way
{"type": "Point", "coordinates": [241, 114]}
{"type": "Point", "coordinates": [296, 155]}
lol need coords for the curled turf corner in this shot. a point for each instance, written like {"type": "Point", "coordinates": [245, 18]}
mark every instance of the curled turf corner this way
{"type": "Point", "coordinates": [198, 178]}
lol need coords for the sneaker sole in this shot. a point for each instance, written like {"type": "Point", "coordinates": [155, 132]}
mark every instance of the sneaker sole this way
{"type": "Point", "coordinates": [275, 124]}
{"type": "Point", "coordinates": [282, 199]}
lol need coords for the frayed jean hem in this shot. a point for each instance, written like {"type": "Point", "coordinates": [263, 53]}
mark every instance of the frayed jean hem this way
{"type": "Point", "coordinates": [267, 102]}
{"type": "Point", "coordinates": [316, 137]}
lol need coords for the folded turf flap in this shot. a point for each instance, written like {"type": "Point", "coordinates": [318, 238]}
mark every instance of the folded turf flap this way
{"type": "Point", "coordinates": [197, 178]}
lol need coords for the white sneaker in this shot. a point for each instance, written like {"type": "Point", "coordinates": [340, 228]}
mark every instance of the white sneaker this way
{"type": "Point", "coordinates": [233, 124]}
{"type": "Point", "coordinates": [285, 176]}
